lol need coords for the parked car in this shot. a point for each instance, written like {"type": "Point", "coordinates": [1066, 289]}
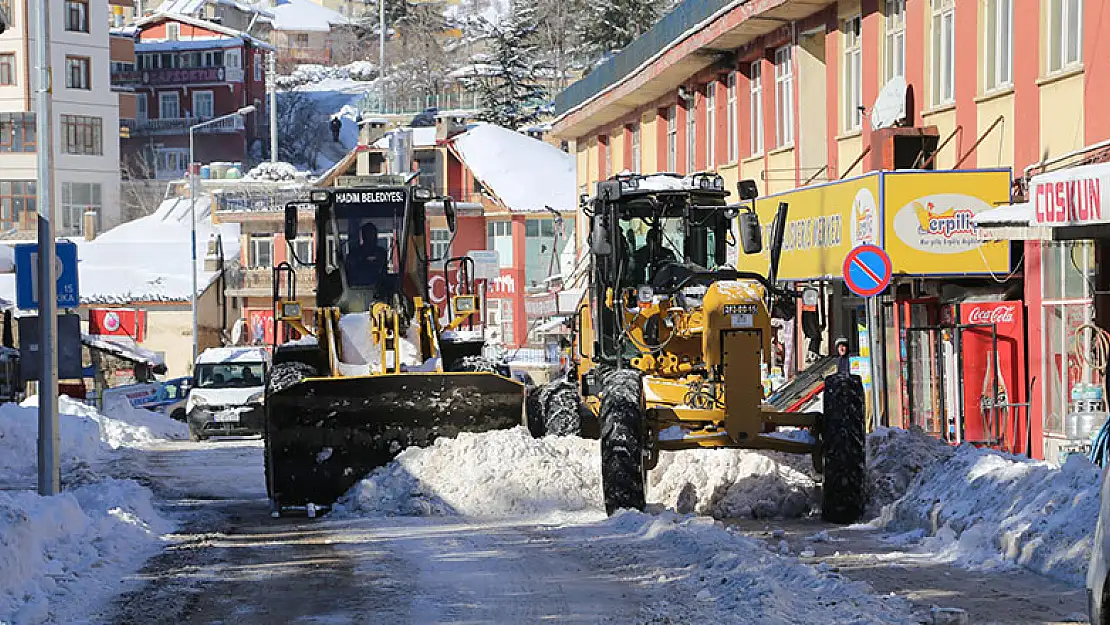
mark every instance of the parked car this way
{"type": "Point", "coordinates": [167, 397]}
{"type": "Point", "coordinates": [1098, 586]}
{"type": "Point", "coordinates": [229, 387]}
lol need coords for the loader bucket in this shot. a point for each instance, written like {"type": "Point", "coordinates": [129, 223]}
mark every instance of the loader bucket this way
{"type": "Point", "coordinates": [325, 434]}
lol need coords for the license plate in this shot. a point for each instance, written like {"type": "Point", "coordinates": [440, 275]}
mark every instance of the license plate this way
{"type": "Point", "coordinates": [229, 416]}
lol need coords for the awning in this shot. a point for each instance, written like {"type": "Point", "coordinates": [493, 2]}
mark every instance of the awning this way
{"type": "Point", "coordinates": [555, 325]}
{"type": "Point", "coordinates": [1010, 222]}
{"type": "Point", "coordinates": [126, 349]}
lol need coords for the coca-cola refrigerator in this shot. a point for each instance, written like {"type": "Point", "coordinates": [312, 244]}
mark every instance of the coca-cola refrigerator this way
{"type": "Point", "coordinates": [992, 374]}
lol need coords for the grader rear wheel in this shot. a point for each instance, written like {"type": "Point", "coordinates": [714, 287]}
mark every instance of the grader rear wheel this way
{"type": "Point", "coordinates": [622, 441]}
{"type": "Point", "coordinates": [843, 450]}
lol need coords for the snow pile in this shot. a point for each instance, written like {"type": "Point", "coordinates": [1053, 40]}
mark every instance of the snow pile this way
{"type": "Point", "coordinates": [19, 426]}
{"type": "Point", "coordinates": [733, 483]}
{"type": "Point", "coordinates": [60, 554]}
{"type": "Point", "coordinates": [735, 578]}
{"type": "Point", "coordinates": [894, 458]}
{"type": "Point", "coordinates": [985, 509]}
{"type": "Point", "coordinates": [274, 172]}
{"type": "Point", "coordinates": [493, 474]}
{"type": "Point", "coordinates": [126, 426]}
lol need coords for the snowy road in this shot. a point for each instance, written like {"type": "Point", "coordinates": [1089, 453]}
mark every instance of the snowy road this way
{"type": "Point", "coordinates": [231, 562]}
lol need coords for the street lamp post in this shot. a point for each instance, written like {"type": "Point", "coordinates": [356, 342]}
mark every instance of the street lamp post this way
{"type": "Point", "coordinates": [246, 110]}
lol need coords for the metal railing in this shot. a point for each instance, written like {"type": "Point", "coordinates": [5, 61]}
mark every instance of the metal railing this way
{"type": "Point", "coordinates": [463, 102]}
{"type": "Point", "coordinates": [180, 125]}
{"type": "Point", "coordinates": [673, 25]}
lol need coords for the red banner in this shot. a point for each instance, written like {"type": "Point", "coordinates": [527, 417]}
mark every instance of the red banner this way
{"type": "Point", "coordinates": [118, 322]}
{"type": "Point", "coordinates": [260, 327]}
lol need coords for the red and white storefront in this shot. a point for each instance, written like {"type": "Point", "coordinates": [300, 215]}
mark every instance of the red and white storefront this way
{"type": "Point", "coordinates": [1066, 228]}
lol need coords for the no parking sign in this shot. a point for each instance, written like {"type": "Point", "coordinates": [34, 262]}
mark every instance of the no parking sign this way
{"type": "Point", "coordinates": [867, 270]}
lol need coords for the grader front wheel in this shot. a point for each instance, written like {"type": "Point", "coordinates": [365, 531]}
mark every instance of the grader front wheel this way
{"type": "Point", "coordinates": [843, 450]}
{"type": "Point", "coordinates": [622, 441]}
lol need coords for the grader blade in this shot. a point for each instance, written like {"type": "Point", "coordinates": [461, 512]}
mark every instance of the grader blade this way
{"type": "Point", "coordinates": [325, 434]}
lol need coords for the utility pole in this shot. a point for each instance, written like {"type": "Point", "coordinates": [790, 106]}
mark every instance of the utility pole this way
{"type": "Point", "coordinates": [381, 56]}
{"type": "Point", "coordinates": [271, 84]}
{"type": "Point", "coordinates": [49, 470]}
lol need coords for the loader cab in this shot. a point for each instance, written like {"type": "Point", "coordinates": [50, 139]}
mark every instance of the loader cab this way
{"type": "Point", "coordinates": [371, 249]}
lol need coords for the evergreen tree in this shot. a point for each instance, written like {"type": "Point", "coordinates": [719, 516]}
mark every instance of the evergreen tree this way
{"type": "Point", "coordinates": [609, 26]}
{"type": "Point", "coordinates": [507, 80]}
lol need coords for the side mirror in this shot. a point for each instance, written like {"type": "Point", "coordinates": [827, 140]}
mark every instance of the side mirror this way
{"type": "Point", "coordinates": [747, 189]}
{"type": "Point", "coordinates": [449, 213]}
{"type": "Point", "coordinates": [599, 241]}
{"type": "Point", "coordinates": [291, 221]}
{"type": "Point", "coordinates": [751, 233]}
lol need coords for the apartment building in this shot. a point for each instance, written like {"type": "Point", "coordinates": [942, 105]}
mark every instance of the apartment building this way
{"type": "Point", "coordinates": [787, 93]}
{"type": "Point", "coordinates": [86, 116]}
{"type": "Point", "coordinates": [188, 71]}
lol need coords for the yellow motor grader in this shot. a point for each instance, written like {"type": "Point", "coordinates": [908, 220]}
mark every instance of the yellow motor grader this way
{"type": "Point", "coordinates": [670, 342]}
{"type": "Point", "coordinates": [374, 372]}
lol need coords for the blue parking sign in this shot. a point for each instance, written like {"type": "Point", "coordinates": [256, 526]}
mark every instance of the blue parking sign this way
{"type": "Point", "coordinates": [26, 275]}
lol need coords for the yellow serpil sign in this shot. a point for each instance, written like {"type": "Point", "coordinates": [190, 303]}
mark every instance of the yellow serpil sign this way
{"type": "Point", "coordinates": [928, 224]}
{"type": "Point", "coordinates": [823, 224]}
{"type": "Point", "coordinates": [922, 219]}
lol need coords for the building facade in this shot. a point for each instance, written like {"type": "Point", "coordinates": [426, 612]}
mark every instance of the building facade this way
{"type": "Point", "coordinates": [189, 71]}
{"type": "Point", "coordinates": [795, 94]}
{"type": "Point", "coordinates": [86, 116]}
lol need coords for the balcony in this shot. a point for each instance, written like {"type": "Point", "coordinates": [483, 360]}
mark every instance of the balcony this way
{"type": "Point", "coordinates": [259, 282]}
{"type": "Point", "coordinates": [180, 125]}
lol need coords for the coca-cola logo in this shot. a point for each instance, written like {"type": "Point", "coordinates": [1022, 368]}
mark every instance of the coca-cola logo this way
{"type": "Point", "coordinates": [996, 315]}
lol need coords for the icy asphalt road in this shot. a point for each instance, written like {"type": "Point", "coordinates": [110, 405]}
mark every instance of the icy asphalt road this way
{"type": "Point", "coordinates": [232, 563]}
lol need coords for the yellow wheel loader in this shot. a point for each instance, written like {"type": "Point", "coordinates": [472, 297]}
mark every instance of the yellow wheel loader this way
{"type": "Point", "coordinates": [374, 372]}
{"type": "Point", "coordinates": [670, 341]}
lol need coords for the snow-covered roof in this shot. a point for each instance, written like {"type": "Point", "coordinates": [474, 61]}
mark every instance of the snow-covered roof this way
{"type": "Point", "coordinates": [125, 348]}
{"type": "Point", "coordinates": [305, 15]}
{"type": "Point", "coordinates": [524, 174]}
{"type": "Point", "coordinates": [199, 23]}
{"type": "Point", "coordinates": [422, 137]}
{"type": "Point", "coordinates": [220, 355]}
{"type": "Point", "coordinates": [146, 260]}
{"type": "Point", "coordinates": [192, 7]}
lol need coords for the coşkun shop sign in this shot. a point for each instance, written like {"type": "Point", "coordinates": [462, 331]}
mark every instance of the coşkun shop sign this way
{"type": "Point", "coordinates": [1071, 197]}
{"type": "Point", "coordinates": [924, 221]}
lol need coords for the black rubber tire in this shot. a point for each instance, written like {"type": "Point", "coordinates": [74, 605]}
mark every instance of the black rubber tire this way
{"type": "Point", "coordinates": [533, 409]}
{"type": "Point", "coordinates": [622, 441]}
{"type": "Point", "coordinates": [282, 376]}
{"type": "Point", "coordinates": [844, 493]}
{"type": "Point", "coordinates": [474, 364]}
{"type": "Point", "coordinates": [286, 374]}
{"type": "Point", "coordinates": [178, 415]}
{"type": "Point", "coordinates": [562, 416]}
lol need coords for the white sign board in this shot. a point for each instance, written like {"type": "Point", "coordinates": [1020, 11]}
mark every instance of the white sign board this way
{"type": "Point", "coordinates": [1070, 196]}
{"type": "Point", "coordinates": [487, 264]}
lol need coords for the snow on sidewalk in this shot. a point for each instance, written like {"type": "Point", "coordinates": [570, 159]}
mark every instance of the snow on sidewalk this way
{"type": "Point", "coordinates": [61, 555]}
{"type": "Point", "coordinates": [984, 509]}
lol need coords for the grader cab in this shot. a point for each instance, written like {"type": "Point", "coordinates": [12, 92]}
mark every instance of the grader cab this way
{"type": "Point", "coordinates": [671, 338]}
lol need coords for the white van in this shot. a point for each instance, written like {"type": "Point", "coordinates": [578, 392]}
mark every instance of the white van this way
{"type": "Point", "coordinates": [229, 386]}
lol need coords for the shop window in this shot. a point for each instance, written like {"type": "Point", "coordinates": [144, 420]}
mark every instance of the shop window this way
{"type": "Point", "coordinates": [499, 237]}
{"type": "Point", "coordinates": [77, 198]}
{"type": "Point", "coordinates": [1065, 34]}
{"type": "Point", "coordinates": [784, 96]}
{"type": "Point", "coordinates": [1067, 273]}
{"type": "Point", "coordinates": [730, 116]}
{"type": "Point", "coordinates": [944, 52]}
{"type": "Point", "coordinates": [262, 251]}
{"type": "Point", "coordinates": [710, 125]}
{"type": "Point", "coordinates": [672, 138]}
{"type": "Point", "coordinates": [853, 74]}
{"type": "Point", "coordinates": [895, 38]}
{"type": "Point", "coordinates": [755, 77]}
{"type": "Point", "coordinates": [998, 68]}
